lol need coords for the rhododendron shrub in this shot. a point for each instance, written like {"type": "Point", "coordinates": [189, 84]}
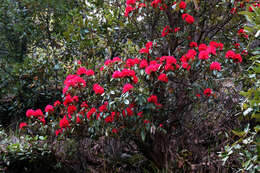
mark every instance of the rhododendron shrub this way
{"type": "Point", "coordinates": [146, 98]}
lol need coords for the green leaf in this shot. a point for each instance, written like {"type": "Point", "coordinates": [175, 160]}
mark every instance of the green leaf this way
{"type": "Point", "coordinates": [247, 111]}
{"type": "Point", "coordinates": [239, 134]}
{"type": "Point", "coordinates": [257, 128]}
{"type": "Point", "coordinates": [143, 134]}
{"type": "Point", "coordinates": [126, 101]}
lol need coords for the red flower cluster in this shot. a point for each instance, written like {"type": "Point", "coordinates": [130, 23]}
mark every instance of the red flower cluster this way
{"type": "Point", "coordinates": [57, 103]}
{"type": "Point", "coordinates": [153, 99]}
{"type": "Point", "coordinates": [242, 33]}
{"type": "Point", "coordinates": [188, 18]}
{"type": "Point", "coordinates": [143, 63]}
{"type": "Point", "coordinates": [83, 70]}
{"type": "Point", "coordinates": [64, 122]}
{"type": "Point", "coordinates": [215, 66]}
{"type": "Point", "coordinates": [207, 92]}
{"type": "Point", "coordinates": [193, 44]}
{"type": "Point", "coordinates": [49, 108]}
{"type": "Point", "coordinates": [131, 62]}
{"type": "Point", "coordinates": [182, 5]}
{"type": "Point", "coordinates": [127, 87]}
{"type": "Point", "coordinates": [91, 112]}
{"type": "Point", "coordinates": [98, 89]}
{"type": "Point", "coordinates": [129, 7]}
{"type": "Point", "coordinates": [166, 31]}
{"type": "Point", "coordinates": [73, 81]}
{"type": "Point", "coordinates": [147, 48]}
{"type": "Point", "coordinates": [152, 68]}
{"type": "Point", "coordinates": [22, 125]}
{"type": "Point", "coordinates": [163, 77]}
{"type": "Point", "coordinates": [103, 107]}
{"type": "Point", "coordinates": [155, 3]}
{"type": "Point", "coordinates": [236, 57]}
{"type": "Point", "coordinates": [37, 114]}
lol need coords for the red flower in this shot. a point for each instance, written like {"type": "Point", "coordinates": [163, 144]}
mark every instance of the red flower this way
{"type": "Point", "coordinates": [126, 72]}
{"type": "Point", "coordinates": [163, 77]}
{"type": "Point", "coordinates": [190, 54]}
{"type": "Point", "coordinates": [244, 52]}
{"type": "Point", "coordinates": [143, 64]}
{"type": "Point", "coordinates": [42, 119]}
{"type": "Point", "coordinates": [184, 65]}
{"type": "Point", "coordinates": [233, 10]}
{"type": "Point", "coordinates": [117, 74]}
{"type": "Point", "coordinates": [108, 62]}
{"type": "Point", "coordinates": [81, 70]}
{"type": "Point", "coordinates": [75, 98]}
{"type": "Point", "coordinates": [49, 108]}
{"type": "Point", "coordinates": [91, 112]}
{"type": "Point", "coordinates": [140, 114]}
{"type": "Point", "coordinates": [230, 54]}
{"type": "Point", "coordinates": [90, 72]}
{"type": "Point", "coordinates": [170, 60]}
{"type": "Point", "coordinates": [182, 5]}
{"type": "Point", "coordinates": [103, 107]}
{"type": "Point", "coordinates": [128, 2]}
{"type": "Point", "coordinates": [207, 92]}
{"type": "Point", "coordinates": [152, 68]}
{"type": "Point", "coordinates": [176, 29]}
{"type": "Point", "coordinates": [166, 31]}
{"type": "Point", "coordinates": [57, 132]}
{"type": "Point", "coordinates": [202, 47]}
{"type": "Point", "coordinates": [148, 46]}
{"type": "Point", "coordinates": [22, 125]}
{"type": "Point", "coordinates": [116, 59]}
{"type": "Point", "coordinates": [144, 50]}
{"type": "Point", "coordinates": [84, 105]}
{"type": "Point", "coordinates": [155, 3]}
{"type": "Point", "coordinates": [114, 130]}
{"type": "Point", "coordinates": [198, 95]}
{"type": "Point", "coordinates": [204, 55]}
{"type": "Point", "coordinates": [98, 89]}
{"type": "Point", "coordinates": [78, 120]}
{"type": "Point", "coordinates": [128, 9]}
{"type": "Point", "coordinates": [237, 58]}
{"type": "Point", "coordinates": [188, 18]}
{"type": "Point", "coordinates": [168, 67]}
{"type": "Point", "coordinates": [135, 79]}
{"type": "Point", "coordinates": [129, 111]}
{"type": "Point", "coordinates": [193, 44]}
{"type": "Point", "coordinates": [211, 49]}
{"type": "Point", "coordinates": [131, 62]}
{"type": "Point", "coordinates": [127, 87]}
{"type": "Point", "coordinates": [38, 113]}
{"type": "Point", "coordinates": [141, 5]}
{"type": "Point", "coordinates": [240, 31]}
{"type": "Point", "coordinates": [30, 113]}
{"type": "Point", "coordinates": [64, 122]}
{"type": "Point", "coordinates": [74, 81]}
{"type": "Point", "coordinates": [163, 7]}
{"type": "Point", "coordinates": [68, 100]}
{"type": "Point", "coordinates": [215, 66]}
{"type": "Point", "coordinates": [153, 99]}
{"type": "Point", "coordinates": [57, 103]}
{"type": "Point", "coordinates": [71, 109]}
{"type": "Point", "coordinates": [250, 9]}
